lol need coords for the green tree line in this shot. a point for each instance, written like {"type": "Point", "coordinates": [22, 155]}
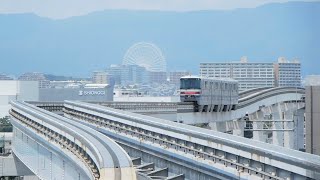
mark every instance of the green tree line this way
{"type": "Point", "coordinates": [5, 125]}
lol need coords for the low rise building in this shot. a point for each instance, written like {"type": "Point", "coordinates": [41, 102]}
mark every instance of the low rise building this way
{"type": "Point", "coordinates": [89, 92]}
{"type": "Point", "coordinates": [36, 76]}
{"type": "Point", "coordinates": [16, 90]}
{"type": "Point", "coordinates": [5, 77]}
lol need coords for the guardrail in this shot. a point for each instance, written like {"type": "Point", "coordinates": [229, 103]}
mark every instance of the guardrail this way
{"type": "Point", "coordinates": [251, 91]}
{"type": "Point", "coordinates": [131, 106]}
{"type": "Point", "coordinates": [252, 98]}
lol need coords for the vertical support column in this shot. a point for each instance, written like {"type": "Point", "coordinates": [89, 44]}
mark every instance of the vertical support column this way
{"type": "Point", "coordinates": [277, 115]}
{"type": "Point", "coordinates": [257, 135]}
{"type": "Point", "coordinates": [63, 169]}
{"type": "Point", "coordinates": [299, 129]}
{"type": "Point", "coordinates": [238, 127]}
{"type": "Point", "coordinates": [218, 126]}
{"type": "Point", "coordinates": [51, 165]}
{"type": "Point", "coordinates": [288, 110]}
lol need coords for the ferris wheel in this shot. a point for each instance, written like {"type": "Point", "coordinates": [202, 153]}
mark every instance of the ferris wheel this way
{"type": "Point", "coordinates": [147, 55]}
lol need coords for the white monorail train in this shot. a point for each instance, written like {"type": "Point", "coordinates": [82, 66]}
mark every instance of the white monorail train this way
{"type": "Point", "coordinates": [209, 94]}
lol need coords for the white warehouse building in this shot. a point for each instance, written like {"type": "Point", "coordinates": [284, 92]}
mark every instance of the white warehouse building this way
{"type": "Point", "coordinates": [16, 90]}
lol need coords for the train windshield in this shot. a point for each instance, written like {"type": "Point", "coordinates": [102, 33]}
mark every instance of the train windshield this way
{"type": "Point", "coordinates": [190, 83]}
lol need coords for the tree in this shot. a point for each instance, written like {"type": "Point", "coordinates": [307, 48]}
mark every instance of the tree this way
{"type": "Point", "coordinates": [5, 125]}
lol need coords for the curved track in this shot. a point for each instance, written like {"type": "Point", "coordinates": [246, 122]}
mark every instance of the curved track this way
{"type": "Point", "coordinates": [102, 156]}
{"type": "Point", "coordinates": [205, 146]}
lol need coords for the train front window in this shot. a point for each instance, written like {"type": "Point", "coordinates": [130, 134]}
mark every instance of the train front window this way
{"type": "Point", "coordinates": [190, 84]}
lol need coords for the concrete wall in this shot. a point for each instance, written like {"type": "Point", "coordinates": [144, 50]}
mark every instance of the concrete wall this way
{"type": "Point", "coordinates": [12, 166]}
{"type": "Point", "coordinates": [313, 119]}
{"type": "Point", "coordinates": [28, 90]}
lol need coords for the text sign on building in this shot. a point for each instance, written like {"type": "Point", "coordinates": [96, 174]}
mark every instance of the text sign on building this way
{"type": "Point", "coordinates": [91, 93]}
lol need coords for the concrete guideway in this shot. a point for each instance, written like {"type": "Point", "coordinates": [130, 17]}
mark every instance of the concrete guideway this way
{"type": "Point", "coordinates": [249, 104]}
{"type": "Point", "coordinates": [93, 155]}
{"type": "Point", "coordinates": [229, 156]}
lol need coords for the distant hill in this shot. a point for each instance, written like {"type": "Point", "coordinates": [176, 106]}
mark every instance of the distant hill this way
{"type": "Point", "coordinates": [78, 45]}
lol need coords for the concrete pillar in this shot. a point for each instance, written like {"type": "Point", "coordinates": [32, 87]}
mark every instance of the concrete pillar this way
{"type": "Point", "coordinates": [239, 128]}
{"type": "Point", "coordinates": [289, 110]}
{"type": "Point", "coordinates": [218, 126]}
{"type": "Point", "coordinates": [299, 129]}
{"type": "Point", "coordinates": [257, 135]}
{"type": "Point", "coordinates": [277, 115]}
{"type": "Point", "coordinates": [313, 119]}
{"type": "Point", "coordinates": [235, 126]}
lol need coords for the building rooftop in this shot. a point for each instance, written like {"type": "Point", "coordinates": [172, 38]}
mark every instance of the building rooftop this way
{"type": "Point", "coordinates": [96, 85]}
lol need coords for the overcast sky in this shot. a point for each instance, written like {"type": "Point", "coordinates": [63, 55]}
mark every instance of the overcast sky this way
{"type": "Point", "coordinates": [66, 8]}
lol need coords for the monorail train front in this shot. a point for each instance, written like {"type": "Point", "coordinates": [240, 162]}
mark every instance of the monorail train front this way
{"type": "Point", "coordinates": [190, 89]}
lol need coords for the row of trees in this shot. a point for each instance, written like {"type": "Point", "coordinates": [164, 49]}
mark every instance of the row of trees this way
{"type": "Point", "coordinates": [5, 125]}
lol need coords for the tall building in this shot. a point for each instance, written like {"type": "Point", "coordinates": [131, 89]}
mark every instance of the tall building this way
{"type": "Point", "coordinates": [176, 75]}
{"type": "Point", "coordinates": [115, 72]}
{"type": "Point", "coordinates": [288, 74]}
{"type": "Point", "coordinates": [254, 75]}
{"type": "Point", "coordinates": [100, 77]}
{"type": "Point", "coordinates": [128, 74]}
{"type": "Point", "coordinates": [157, 77]}
{"type": "Point", "coordinates": [249, 75]}
{"type": "Point", "coordinates": [36, 76]}
{"type": "Point", "coordinates": [312, 114]}
{"type": "Point", "coordinates": [133, 74]}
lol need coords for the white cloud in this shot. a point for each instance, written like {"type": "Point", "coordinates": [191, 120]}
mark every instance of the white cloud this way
{"type": "Point", "coordinates": [66, 8]}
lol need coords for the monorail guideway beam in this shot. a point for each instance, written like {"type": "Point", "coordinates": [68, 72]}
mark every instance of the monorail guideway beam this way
{"type": "Point", "coordinates": [92, 155]}
{"type": "Point", "coordinates": [238, 156]}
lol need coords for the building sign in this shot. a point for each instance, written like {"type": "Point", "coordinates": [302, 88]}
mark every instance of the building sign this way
{"type": "Point", "coordinates": [91, 93]}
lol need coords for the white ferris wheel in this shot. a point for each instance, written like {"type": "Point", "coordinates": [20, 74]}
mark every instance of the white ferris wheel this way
{"type": "Point", "coordinates": [147, 55]}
